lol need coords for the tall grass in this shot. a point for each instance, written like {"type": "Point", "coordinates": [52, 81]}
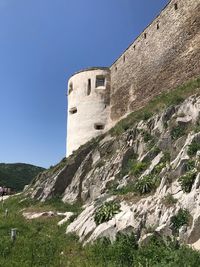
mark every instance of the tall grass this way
{"type": "Point", "coordinates": [41, 243]}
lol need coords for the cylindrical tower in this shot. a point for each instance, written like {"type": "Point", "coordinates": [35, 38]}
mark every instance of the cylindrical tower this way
{"type": "Point", "coordinates": [88, 106]}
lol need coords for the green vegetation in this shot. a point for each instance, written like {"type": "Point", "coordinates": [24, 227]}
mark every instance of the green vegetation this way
{"type": "Point", "coordinates": [106, 211]}
{"type": "Point", "coordinates": [157, 104]}
{"type": "Point", "coordinates": [146, 184]}
{"type": "Point", "coordinates": [142, 186]}
{"type": "Point", "coordinates": [158, 168]}
{"type": "Point", "coordinates": [138, 168]}
{"type": "Point", "coordinates": [124, 252]}
{"type": "Point", "coordinates": [17, 175]}
{"type": "Point", "coordinates": [180, 219]}
{"type": "Point", "coordinates": [41, 243]}
{"type": "Point", "coordinates": [187, 180]}
{"type": "Point", "coordinates": [169, 200]}
{"type": "Point", "coordinates": [177, 132]}
{"type": "Point", "coordinates": [147, 136]}
{"type": "Point", "coordinates": [193, 148]}
{"type": "Point", "coordinates": [190, 165]}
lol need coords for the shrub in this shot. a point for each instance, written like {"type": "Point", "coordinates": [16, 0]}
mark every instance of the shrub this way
{"type": "Point", "coordinates": [169, 200]}
{"type": "Point", "coordinates": [127, 163]}
{"type": "Point", "coordinates": [177, 132]}
{"type": "Point", "coordinates": [193, 148]}
{"type": "Point", "coordinates": [156, 150]}
{"type": "Point", "coordinates": [186, 181]}
{"type": "Point", "coordinates": [146, 136]}
{"type": "Point", "coordinates": [180, 219]}
{"type": "Point", "coordinates": [106, 212]}
{"type": "Point", "coordinates": [190, 165]}
{"type": "Point", "coordinates": [166, 157]}
{"type": "Point", "coordinates": [158, 168]}
{"type": "Point", "coordinates": [138, 168]}
{"type": "Point", "coordinates": [146, 184]}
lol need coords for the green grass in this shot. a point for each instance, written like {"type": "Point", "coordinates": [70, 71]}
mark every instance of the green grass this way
{"type": "Point", "coordinates": [160, 102]}
{"type": "Point", "coordinates": [41, 243]}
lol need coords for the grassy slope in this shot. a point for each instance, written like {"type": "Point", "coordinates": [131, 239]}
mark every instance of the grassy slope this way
{"type": "Point", "coordinates": [17, 175]}
{"type": "Point", "coordinates": [42, 243]}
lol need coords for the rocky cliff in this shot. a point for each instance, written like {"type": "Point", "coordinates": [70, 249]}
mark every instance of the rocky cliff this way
{"type": "Point", "coordinates": [144, 179]}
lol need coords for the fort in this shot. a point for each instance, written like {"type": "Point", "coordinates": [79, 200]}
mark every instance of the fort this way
{"type": "Point", "coordinates": [166, 54]}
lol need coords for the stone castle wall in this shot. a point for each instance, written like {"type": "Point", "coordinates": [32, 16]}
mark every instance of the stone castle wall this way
{"type": "Point", "coordinates": [165, 55]}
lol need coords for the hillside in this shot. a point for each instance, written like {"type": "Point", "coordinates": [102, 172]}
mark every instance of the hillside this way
{"type": "Point", "coordinates": [142, 177]}
{"type": "Point", "coordinates": [127, 198]}
{"type": "Point", "coordinates": [17, 175]}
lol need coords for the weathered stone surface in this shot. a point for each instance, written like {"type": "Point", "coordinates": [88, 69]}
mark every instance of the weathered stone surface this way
{"type": "Point", "coordinates": [167, 57]}
{"type": "Point", "coordinates": [102, 169]}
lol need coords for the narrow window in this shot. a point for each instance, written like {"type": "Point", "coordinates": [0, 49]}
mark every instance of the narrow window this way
{"type": "Point", "coordinates": [70, 88]}
{"type": "Point", "coordinates": [100, 81]}
{"type": "Point", "coordinates": [175, 6]}
{"type": "Point", "coordinates": [89, 87]}
{"type": "Point", "coordinates": [145, 36]}
{"type": "Point", "coordinates": [134, 47]}
{"type": "Point", "coordinates": [158, 26]}
{"type": "Point", "coordinates": [99, 126]}
{"type": "Point", "coordinates": [73, 110]}
{"type": "Point", "coordinates": [116, 68]}
{"type": "Point", "coordinates": [124, 58]}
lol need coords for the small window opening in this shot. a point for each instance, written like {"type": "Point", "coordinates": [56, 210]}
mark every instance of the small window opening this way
{"type": "Point", "coordinates": [100, 81]}
{"type": "Point", "coordinates": [70, 88]}
{"type": "Point", "coordinates": [134, 47]}
{"type": "Point", "coordinates": [89, 87]}
{"type": "Point", "coordinates": [99, 126]}
{"type": "Point", "coordinates": [116, 68]}
{"type": "Point", "coordinates": [73, 110]}
{"type": "Point", "coordinates": [124, 58]}
{"type": "Point", "coordinates": [175, 6]}
{"type": "Point", "coordinates": [158, 26]}
{"type": "Point", "coordinates": [145, 36]}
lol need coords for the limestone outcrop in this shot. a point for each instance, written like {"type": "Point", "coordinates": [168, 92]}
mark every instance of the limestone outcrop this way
{"type": "Point", "coordinates": [152, 171]}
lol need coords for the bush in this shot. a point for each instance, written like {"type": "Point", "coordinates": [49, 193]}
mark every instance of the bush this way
{"type": "Point", "coordinates": [180, 219]}
{"type": "Point", "coordinates": [186, 181]}
{"type": "Point", "coordinates": [146, 136]}
{"type": "Point", "coordinates": [106, 212]}
{"type": "Point", "coordinates": [158, 168]}
{"type": "Point", "coordinates": [177, 132]}
{"type": "Point", "coordinates": [146, 184]}
{"type": "Point", "coordinates": [190, 165]}
{"type": "Point", "coordinates": [193, 148]}
{"type": "Point", "coordinates": [169, 200]}
{"type": "Point", "coordinates": [138, 168]}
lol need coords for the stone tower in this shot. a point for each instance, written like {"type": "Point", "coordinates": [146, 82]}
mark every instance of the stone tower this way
{"type": "Point", "coordinates": [88, 106]}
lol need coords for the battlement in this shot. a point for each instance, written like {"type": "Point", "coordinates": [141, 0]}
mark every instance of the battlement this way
{"type": "Point", "coordinates": [165, 55]}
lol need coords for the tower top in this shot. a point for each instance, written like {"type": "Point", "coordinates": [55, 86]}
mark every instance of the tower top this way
{"type": "Point", "coordinates": [90, 69]}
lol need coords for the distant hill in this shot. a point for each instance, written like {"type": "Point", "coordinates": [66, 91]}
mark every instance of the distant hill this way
{"type": "Point", "coordinates": [17, 175]}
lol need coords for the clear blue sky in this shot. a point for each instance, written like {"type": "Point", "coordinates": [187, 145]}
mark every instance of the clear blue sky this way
{"type": "Point", "coordinates": [42, 42]}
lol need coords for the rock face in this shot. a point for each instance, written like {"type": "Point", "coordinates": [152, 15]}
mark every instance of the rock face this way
{"type": "Point", "coordinates": [152, 170]}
